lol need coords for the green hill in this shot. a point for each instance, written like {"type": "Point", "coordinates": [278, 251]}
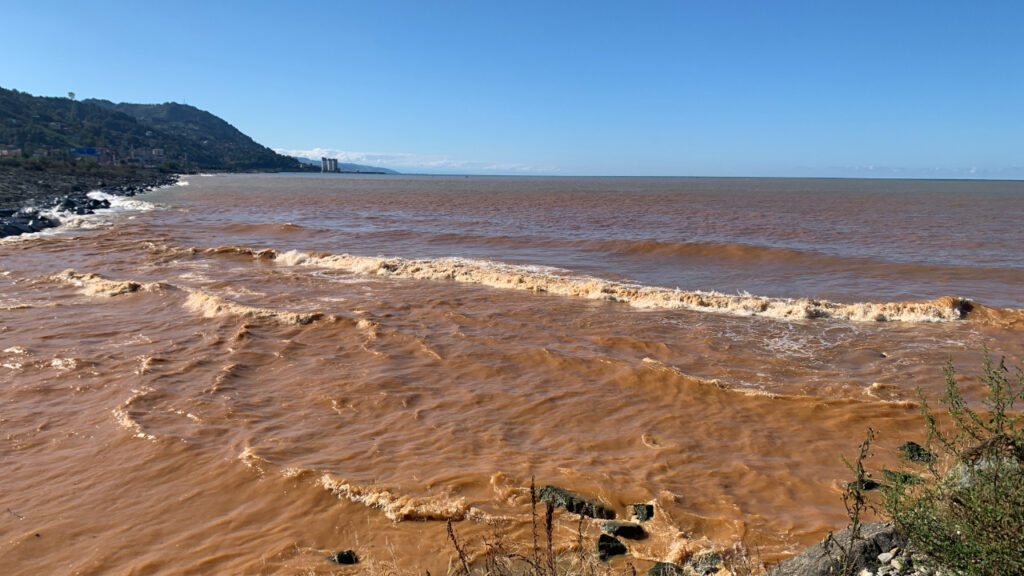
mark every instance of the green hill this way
{"type": "Point", "coordinates": [171, 135]}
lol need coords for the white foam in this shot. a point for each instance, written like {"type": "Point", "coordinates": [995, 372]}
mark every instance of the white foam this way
{"type": "Point", "coordinates": [64, 364]}
{"type": "Point", "coordinates": [563, 283]}
{"type": "Point", "coordinates": [399, 507]}
{"type": "Point", "coordinates": [129, 423]}
{"type": "Point", "coordinates": [121, 203]}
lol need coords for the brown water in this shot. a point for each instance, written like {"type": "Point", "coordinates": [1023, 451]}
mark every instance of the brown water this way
{"type": "Point", "coordinates": [253, 372]}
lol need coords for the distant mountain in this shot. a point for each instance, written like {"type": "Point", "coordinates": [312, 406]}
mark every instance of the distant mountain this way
{"type": "Point", "coordinates": [172, 135]}
{"type": "Point", "coordinates": [349, 167]}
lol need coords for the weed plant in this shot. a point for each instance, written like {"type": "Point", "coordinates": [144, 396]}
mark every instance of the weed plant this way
{"type": "Point", "coordinates": [967, 514]}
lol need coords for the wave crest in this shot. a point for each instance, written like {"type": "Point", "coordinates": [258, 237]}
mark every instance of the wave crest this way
{"type": "Point", "coordinates": [209, 305]}
{"type": "Point", "coordinates": [564, 283]}
{"type": "Point", "coordinates": [96, 285]}
{"type": "Point", "coordinates": [399, 507]}
{"type": "Point", "coordinates": [212, 306]}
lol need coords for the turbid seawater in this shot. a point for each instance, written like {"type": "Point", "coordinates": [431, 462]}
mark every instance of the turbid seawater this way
{"type": "Point", "coordinates": [248, 373]}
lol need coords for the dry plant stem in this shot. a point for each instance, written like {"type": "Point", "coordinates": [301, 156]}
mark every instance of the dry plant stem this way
{"type": "Point", "coordinates": [533, 518]}
{"type": "Point", "coordinates": [462, 555]}
{"type": "Point", "coordinates": [549, 512]}
{"type": "Point", "coordinates": [579, 541]}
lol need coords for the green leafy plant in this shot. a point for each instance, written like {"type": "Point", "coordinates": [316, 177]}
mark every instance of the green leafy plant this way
{"type": "Point", "coordinates": [965, 508]}
{"type": "Point", "coordinates": [843, 553]}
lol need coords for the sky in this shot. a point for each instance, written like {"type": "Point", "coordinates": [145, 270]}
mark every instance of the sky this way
{"type": "Point", "coordinates": [931, 89]}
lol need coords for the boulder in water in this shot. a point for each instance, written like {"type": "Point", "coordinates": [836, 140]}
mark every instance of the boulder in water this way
{"type": "Point", "coordinates": [608, 546]}
{"type": "Point", "coordinates": [571, 502]}
{"type": "Point", "coordinates": [916, 453]}
{"type": "Point", "coordinates": [643, 512]}
{"type": "Point", "coordinates": [623, 530]}
{"type": "Point", "coordinates": [344, 557]}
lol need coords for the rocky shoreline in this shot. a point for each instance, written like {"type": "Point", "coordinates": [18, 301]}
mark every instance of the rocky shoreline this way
{"type": "Point", "coordinates": [878, 550]}
{"type": "Point", "coordinates": [31, 201]}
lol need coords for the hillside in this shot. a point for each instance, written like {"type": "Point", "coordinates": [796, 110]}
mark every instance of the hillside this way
{"type": "Point", "coordinates": [172, 136]}
{"type": "Point", "coordinates": [219, 143]}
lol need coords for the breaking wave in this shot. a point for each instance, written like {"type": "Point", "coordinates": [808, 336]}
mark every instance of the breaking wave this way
{"type": "Point", "coordinates": [395, 507]}
{"type": "Point", "coordinates": [564, 283]}
{"type": "Point", "coordinates": [125, 419]}
{"type": "Point", "coordinates": [212, 306]}
{"type": "Point", "coordinates": [122, 203]}
{"type": "Point", "coordinates": [96, 285]}
{"type": "Point", "coordinates": [209, 305]}
{"type": "Point", "coordinates": [399, 507]}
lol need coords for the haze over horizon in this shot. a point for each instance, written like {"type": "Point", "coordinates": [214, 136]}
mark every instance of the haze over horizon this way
{"type": "Point", "coordinates": [908, 89]}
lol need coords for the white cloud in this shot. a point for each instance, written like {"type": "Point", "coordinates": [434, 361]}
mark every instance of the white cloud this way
{"type": "Point", "coordinates": [417, 162]}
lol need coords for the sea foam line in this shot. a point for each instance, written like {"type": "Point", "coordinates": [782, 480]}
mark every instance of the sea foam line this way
{"type": "Point", "coordinates": [209, 305]}
{"type": "Point", "coordinates": [564, 283]}
{"type": "Point", "coordinates": [399, 507]}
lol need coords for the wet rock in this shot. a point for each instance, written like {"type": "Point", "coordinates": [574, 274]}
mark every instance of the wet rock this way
{"type": "Point", "coordinates": [823, 558]}
{"type": "Point", "coordinates": [705, 564]}
{"type": "Point", "coordinates": [624, 530]}
{"type": "Point", "coordinates": [8, 230]}
{"type": "Point", "coordinates": [560, 498]}
{"type": "Point", "coordinates": [897, 477]}
{"type": "Point", "coordinates": [915, 453]}
{"type": "Point", "coordinates": [643, 512]}
{"type": "Point", "coordinates": [989, 468]}
{"type": "Point", "coordinates": [608, 546]}
{"type": "Point", "coordinates": [344, 557]}
{"type": "Point", "coordinates": [18, 227]}
{"type": "Point", "coordinates": [666, 569]}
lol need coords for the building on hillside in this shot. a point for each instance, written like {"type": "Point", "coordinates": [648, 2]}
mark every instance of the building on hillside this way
{"type": "Point", "coordinates": [328, 164]}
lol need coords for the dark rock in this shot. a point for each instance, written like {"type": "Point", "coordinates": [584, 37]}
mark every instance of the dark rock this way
{"type": "Point", "coordinates": [344, 557]}
{"type": "Point", "coordinates": [20, 227]}
{"type": "Point", "coordinates": [915, 453]}
{"type": "Point", "coordinates": [705, 564]}
{"type": "Point", "coordinates": [666, 569]}
{"type": "Point", "coordinates": [643, 512]}
{"type": "Point", "coordinates": [623, 530]}
{"type": "Point", "coordinates": [573, 503]}
{"type": "Point", "coordinates": [897, 477]}
{"type": "Point", "coordinates": [608, 546]}
{"type": "Point", "coordinates": [823, 559]}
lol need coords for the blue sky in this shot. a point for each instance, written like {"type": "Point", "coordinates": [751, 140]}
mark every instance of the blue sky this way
{"type": "Point", "coordinates": [871, 89]}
